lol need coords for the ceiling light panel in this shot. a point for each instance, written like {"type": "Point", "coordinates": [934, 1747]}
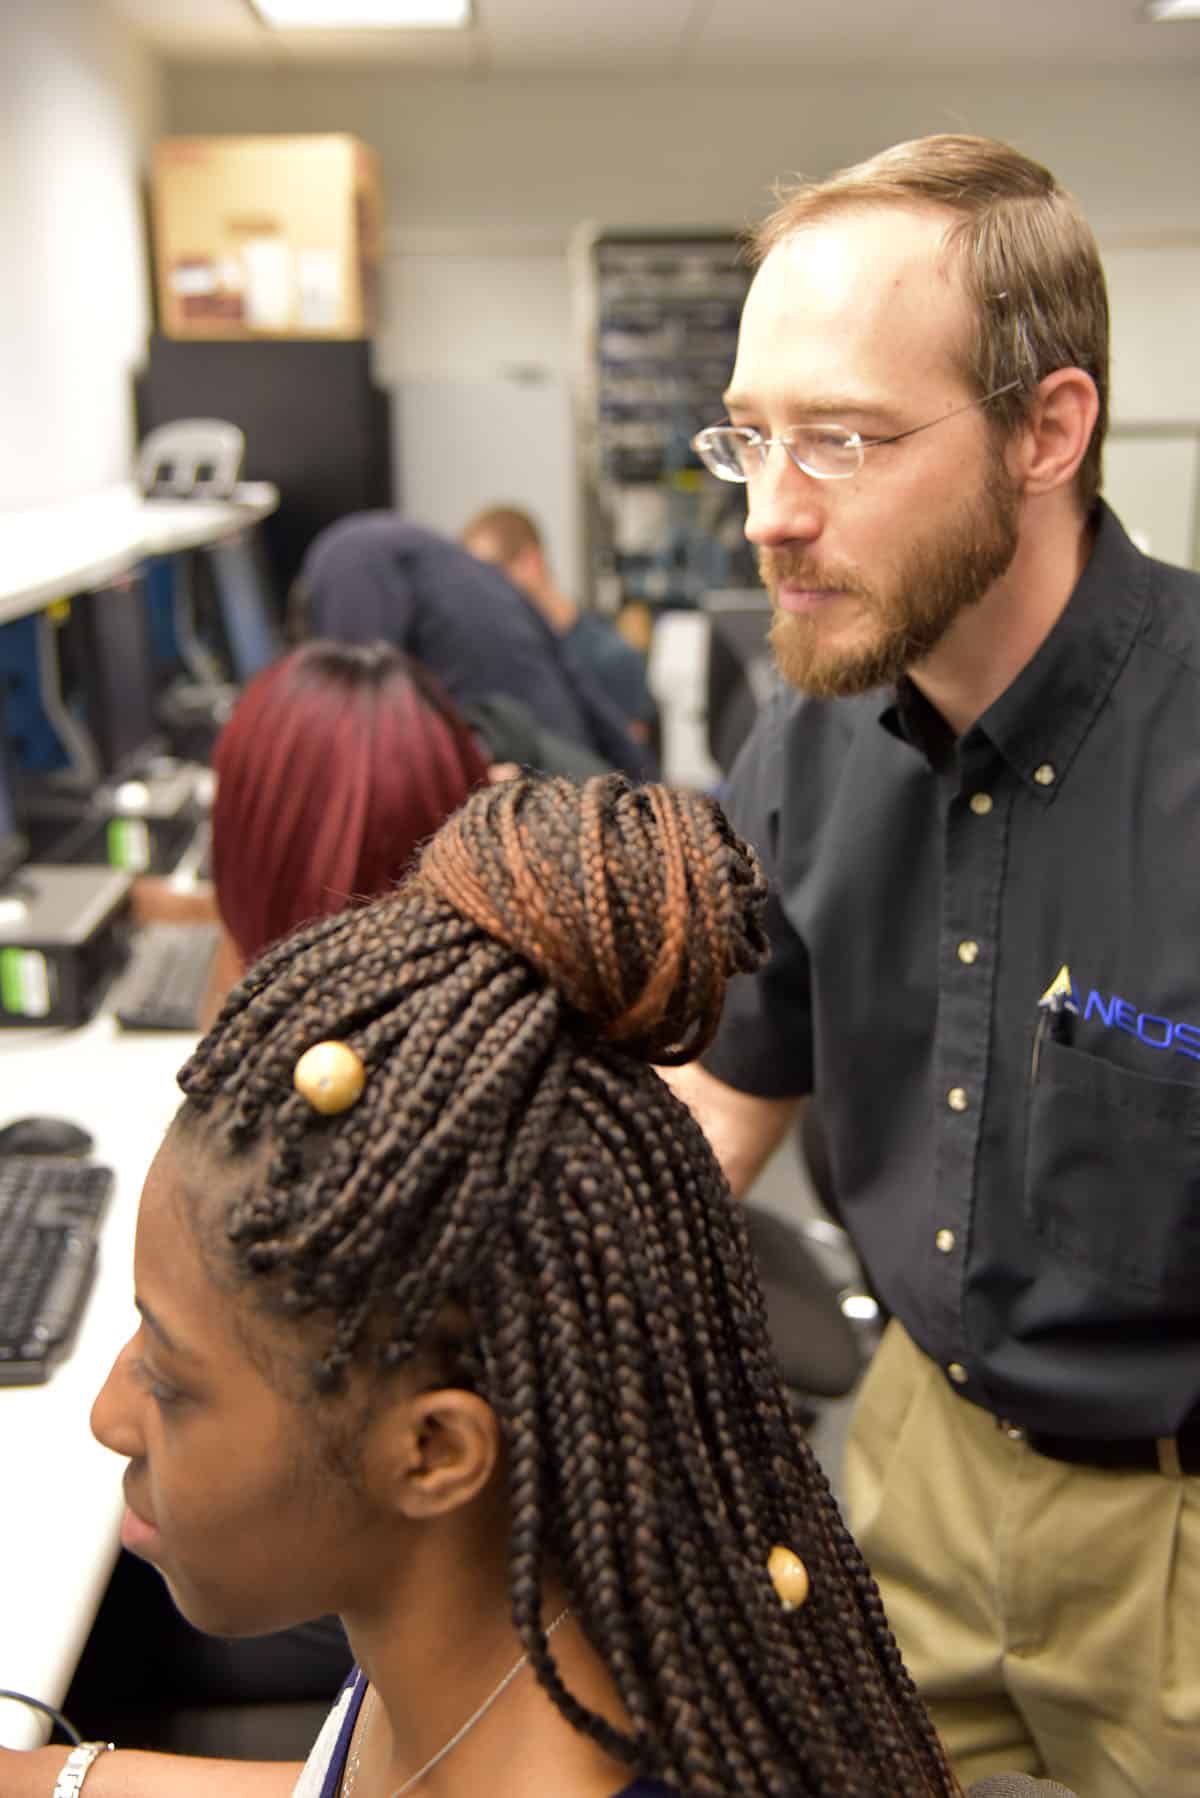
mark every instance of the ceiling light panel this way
{"type": "Point", "coordinates": [364, 15]}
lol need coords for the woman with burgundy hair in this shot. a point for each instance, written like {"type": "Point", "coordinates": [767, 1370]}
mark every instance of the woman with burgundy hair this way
{"type": "Point", "coordinates": [339, 761]}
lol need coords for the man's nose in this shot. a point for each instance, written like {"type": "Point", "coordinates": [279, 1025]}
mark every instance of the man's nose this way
{"type": "Point", "coordinates": [783, 504]}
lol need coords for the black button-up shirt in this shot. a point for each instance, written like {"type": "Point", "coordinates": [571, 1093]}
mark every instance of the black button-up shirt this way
{"type": "Point", "coordinates": [1023, 1180]}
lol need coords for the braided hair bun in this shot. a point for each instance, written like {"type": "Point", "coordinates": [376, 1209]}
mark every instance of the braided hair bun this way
{"type": "Point", "coordinates": [637, 903]}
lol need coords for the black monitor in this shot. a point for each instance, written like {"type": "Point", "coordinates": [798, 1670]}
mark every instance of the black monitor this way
{"type": "Point", "coordinates": [222, 624]}
{"type": "Point", "coordinates": [741, 672]}
{"type": "Point", "coordinates": [214, 624]}
{"type": "Point", "coordinates": [243, 595]}
{"type": "Point", "coordinates": [106, 677]}
{"type": "Point", "coordinates": [12, 843]}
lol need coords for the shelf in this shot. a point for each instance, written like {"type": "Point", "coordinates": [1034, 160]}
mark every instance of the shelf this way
{"type": "Point", "coordinates": [50, 552]}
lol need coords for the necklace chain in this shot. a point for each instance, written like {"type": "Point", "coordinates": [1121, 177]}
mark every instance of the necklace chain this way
{"type": "Point", "coordinates": [434, 1760]}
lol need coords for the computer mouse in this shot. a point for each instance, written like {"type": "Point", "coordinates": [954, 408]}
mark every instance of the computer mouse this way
{"type": "Point", "coordinates": [45, 1136]}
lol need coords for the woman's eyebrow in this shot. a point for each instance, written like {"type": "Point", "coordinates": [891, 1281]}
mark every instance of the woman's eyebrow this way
{"type": "Point", "coordinates": [159, 1331]}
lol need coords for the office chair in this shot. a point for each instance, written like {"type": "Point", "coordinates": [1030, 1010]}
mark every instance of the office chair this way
{"type": "Point", "coordinates": [1017, 1785]}
{"type": "Point", "coordinates": [818, 1352]}
{"type": "Point", "coordinates": [855, 1295]}
{"type": "Point", "coordinates": [191, 458]}
{"type": "Point", "coordinates": [739, 674]}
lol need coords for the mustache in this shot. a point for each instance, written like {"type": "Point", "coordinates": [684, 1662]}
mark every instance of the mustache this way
{"type": "Point", "coordinates": [793, 568]}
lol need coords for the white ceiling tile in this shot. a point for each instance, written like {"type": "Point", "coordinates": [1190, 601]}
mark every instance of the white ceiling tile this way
{"type": "Point", "coordinates": [946, 33]}
{"type": "Point", "coordinates": [646, 36]}
{"type": "Point", "coordinates": [532, 33]}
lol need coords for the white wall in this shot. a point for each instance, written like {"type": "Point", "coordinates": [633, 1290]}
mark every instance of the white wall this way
{"type": "Point", "coordinates": [507, 155]}
{"type": "Point", "coordinates": [78, 104]}
{"type": "Point", "coordinates": [487, 177]}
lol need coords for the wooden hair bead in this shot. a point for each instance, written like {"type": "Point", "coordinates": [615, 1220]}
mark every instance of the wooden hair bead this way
{"type": "Point", "coordinates": [330, 1076]}
{"type": "Point", "coordinates": [789, 1576]}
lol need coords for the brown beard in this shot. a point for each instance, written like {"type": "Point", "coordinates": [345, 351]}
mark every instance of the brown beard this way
{"type": "Point", "coordinates": [935, 579]}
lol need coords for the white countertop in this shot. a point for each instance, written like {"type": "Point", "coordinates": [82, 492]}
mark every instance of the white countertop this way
{"type": "Point", "coordinates": [60, 1497]}
{"type": "Point", "coordinates": [49, 552]}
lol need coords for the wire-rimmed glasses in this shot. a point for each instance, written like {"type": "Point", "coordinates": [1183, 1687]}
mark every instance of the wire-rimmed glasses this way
{"type": "Point", "coordinates": [828, 452]}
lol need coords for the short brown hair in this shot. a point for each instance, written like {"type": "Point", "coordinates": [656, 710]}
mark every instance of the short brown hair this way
{"type": "Point", "coordinates": [512, 530]}
{"type": "Point", "coordinates": [1030, 264]}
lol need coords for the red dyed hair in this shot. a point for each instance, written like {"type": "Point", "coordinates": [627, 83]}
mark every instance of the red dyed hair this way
{"type": "Point", "coordinates": [339, 761]}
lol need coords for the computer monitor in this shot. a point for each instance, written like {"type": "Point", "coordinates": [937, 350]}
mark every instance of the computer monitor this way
{"type": "Point", "coordinates": [247, 623]}
{"type": "Point", "coordinates": [741, 671]}
{"type": "Point", "coordinates": [12, 842]}
{"type": "Point", "coordinates": [106, 674]}
{"type": "Point", "coordinates": [212, 613]}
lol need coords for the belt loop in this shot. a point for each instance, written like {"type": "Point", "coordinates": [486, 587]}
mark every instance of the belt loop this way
{"type": "Point", "coordinates": [1169, 1463]}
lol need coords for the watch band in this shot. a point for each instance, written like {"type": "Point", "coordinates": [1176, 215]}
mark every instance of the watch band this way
{"type": "Point", "coordinates": [76, 1767]}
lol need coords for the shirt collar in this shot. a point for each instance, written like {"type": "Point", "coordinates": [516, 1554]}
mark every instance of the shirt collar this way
{"type": "Point", "coordinates": [1039, 721]}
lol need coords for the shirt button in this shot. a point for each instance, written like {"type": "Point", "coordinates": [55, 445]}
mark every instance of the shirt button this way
{"type": "Point", "coordinates": [945, 1241]}
{"type": "Point", "coordinates": [981, 804]}
{"type": "Point", "coordinates": [958, 1373]}
{"type": "Point", "coordinates": [968, 952]}
{"type": "Point", "coordinates": [1045, 775]}
{"type": "Point", "coordinates": [956, 1099]}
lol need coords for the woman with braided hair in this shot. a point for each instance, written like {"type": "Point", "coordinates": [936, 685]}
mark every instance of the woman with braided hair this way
{"type": "Point", "coordinates": [450, 1324]}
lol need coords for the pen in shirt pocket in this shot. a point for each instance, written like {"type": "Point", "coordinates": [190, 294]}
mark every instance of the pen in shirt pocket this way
{"type": "Point", "coordinates": [1057, 1011]}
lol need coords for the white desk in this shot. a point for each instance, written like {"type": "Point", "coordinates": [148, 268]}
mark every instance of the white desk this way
{"type": "Point", "coordinates": [60, 1492]}
{"type": "Point", "coordinates": [50, 552]}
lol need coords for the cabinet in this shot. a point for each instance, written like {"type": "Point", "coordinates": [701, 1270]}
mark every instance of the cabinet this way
{"type": "Point", "coordinates": [316, 425]}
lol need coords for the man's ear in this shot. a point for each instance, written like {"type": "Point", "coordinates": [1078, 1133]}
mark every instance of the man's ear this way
{"type": "Point", "coordinates": [1046, 451]}
{"type": "Point", "coordinates": [528, 567]}
{"type": "Point", "coordinates": [434, 1452]}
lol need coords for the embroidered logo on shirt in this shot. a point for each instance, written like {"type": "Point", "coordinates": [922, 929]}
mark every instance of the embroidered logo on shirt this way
{"type": "Point", "coordinates": [1114, 1013]}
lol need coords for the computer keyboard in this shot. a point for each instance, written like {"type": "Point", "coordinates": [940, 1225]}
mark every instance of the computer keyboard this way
{"type": "Point", "coordinates": [50, 1214]}
{"type": "Point", "coordinates": [165, 979]}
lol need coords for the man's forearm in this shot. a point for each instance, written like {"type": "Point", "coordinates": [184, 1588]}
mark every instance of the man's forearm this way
{"type": "Point", "coordinates": [744, 1130]}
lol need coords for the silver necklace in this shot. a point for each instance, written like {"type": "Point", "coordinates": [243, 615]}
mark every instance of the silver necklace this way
{"type": "Point", "coordinates": [415, 1779]}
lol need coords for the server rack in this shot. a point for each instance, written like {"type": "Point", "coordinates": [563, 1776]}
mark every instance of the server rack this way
{"type": "Point", "coordinates": [656, 336]}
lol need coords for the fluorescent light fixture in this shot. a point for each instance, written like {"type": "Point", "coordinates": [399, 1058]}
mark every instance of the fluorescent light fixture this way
{"type": "Point", "coordinates": [364, 15]}
{"type": "Point", "coordinates": [1162, 10]}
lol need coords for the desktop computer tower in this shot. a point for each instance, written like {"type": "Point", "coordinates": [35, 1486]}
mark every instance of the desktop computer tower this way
{"type": "Point", "coordinates": [314, 420]}
{"type": "Point", "coordinates": [63, 933]}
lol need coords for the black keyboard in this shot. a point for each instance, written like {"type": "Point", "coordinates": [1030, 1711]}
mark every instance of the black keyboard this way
{"type": "Point", "coordinates": [50, 1214]}
{"type": "Point", "coordinates": [166, 977]}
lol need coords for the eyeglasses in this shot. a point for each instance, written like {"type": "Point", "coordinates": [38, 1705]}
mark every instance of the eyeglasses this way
{"type": "Point", "coordinates": [828, 452]}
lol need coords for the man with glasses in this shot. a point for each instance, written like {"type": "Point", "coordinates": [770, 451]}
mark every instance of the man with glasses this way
{"type": "Point", "coordinates": [979, 811]}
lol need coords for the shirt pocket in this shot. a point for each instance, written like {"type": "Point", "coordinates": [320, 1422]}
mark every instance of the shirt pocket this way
{"type": "Point", "coordinates": [1112, 1173]}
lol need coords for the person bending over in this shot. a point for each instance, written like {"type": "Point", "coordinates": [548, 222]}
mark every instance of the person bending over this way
{"type": "Point", "coordinates": [377, 575]}
{"type": "Point", "coordinates": [509, 539]}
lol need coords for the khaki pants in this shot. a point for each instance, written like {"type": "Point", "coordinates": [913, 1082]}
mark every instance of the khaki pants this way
{"type": "Point", "coordinates": [1050, 1614]}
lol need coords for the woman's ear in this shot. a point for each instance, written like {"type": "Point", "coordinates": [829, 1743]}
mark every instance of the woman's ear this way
{"type": "Point", "coordinates": [433, 1452]}
{"type": "Point", "coordinates": [1048, 449]}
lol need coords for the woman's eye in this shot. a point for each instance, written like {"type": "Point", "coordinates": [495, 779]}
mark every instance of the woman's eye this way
{"type": "Point", "coordinates": [159, 1390]}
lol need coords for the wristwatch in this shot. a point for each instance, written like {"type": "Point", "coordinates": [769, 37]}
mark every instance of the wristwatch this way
{"type": "Point", "coordinates": [75, 1768]}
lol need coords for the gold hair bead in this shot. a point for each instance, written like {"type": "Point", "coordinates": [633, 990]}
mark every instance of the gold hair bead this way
{"type": "Point", "coordinates": [330, 1076]}
{"type": "Point", "coordinates": [789, 1576]}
